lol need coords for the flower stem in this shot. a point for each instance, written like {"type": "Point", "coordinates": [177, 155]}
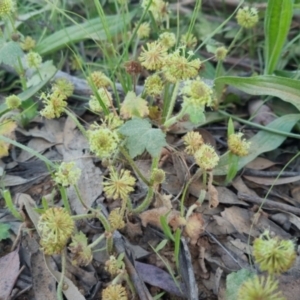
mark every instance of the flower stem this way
{"type": "Point", "coordinates": [97, 241]}
{"type": "Point", "coordinates": [172, 102]}
{"type": "Point", "coordinates": [133, 165]}
{"type": "Point", "coordinates": [79, 197]}
{"type": "Point", "coordinates": [59, 293]}
{"type": "Point", "coordinates": [145, 204]}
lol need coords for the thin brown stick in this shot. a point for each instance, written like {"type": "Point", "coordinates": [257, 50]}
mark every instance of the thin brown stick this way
{"type": "Point", "coordinates": [269, 204]}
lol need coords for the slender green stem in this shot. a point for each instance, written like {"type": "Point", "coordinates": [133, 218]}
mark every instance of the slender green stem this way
{"type": "Point", "coordinates": [235, 39]}
{"type": "Point", "coordinates": [129, 204]}
{"type": "Point", "coordinates": [174, 119]}
{"type": "Point", "coordinates": [79, 197]}
{"type": "Point", "coordinates": [75, 120]}
{"type": "Point", "coordinates": [97, 241]}
{"type": "Point", "coordinates": [287, 134]}
{"type": "Point", "coordinates": [195, 176]}
{"type": "Point", "coordinates": [172, 102]}
{"type": "Point", "coordinates": [59, 293]}
{"type": "Point", "coordinates": [84, 216]}
{"type": "Point", "coordinates": [31, 151]}
{"type": "Point", "coordinates": [133, 165]}
{"type": "Point", "coordinates": [12, 22]}
{"type": "Point", "coordinates": [64, 198]}
{"type": "Point", "coordinates": [218, 29]}
{"type": "Point", "coordinates": [218, 69]}
{"type": "Point", "coordinates": [103, 220]}
{"type": "Point", "coordinates": [145, 204]}
{"type": "Point", "coordinates": [10, 205]}
{"type": "Point", "coordinates": [109, 244]}
{"type": "Point", "coordinates": [131, 39]}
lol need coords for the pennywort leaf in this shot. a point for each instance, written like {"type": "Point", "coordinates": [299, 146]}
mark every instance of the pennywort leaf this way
{"type": "Point", "coordinates": [142, 137]}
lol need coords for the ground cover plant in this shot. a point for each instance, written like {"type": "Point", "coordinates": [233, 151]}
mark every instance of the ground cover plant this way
{"type": "Point", "coordinates": [149, 150]}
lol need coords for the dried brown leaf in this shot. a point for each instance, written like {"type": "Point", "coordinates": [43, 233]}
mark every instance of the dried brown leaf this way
{"type": "Point", "coordinates": [194, 227]}
{"type": "Point", "coordinates": [9, 265]}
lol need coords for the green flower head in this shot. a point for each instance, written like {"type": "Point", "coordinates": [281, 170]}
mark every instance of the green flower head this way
{"type": "Point", "coordinates": [13, 101]}
{"type": "Point", "coordinates": [6, 7]}
{"type": "Point", "coordinates": [103, 141]}
{"type": "Point", "coordinates": [260, 288]}
{"type": "Point", "coordinates": [67, 174]}
{"type": "Point", "coordinates": [196, 93]}
{"type": "Point", "coordinates": [55, 227]}
{"type": "Point", "coordinates": [119, 185]}
{"type": "Point", "coordinates": [274, 255]}
{"type": "Point", "coordinates": [177, 67]}
{"type": "Point", "coordinates": [247, 17]}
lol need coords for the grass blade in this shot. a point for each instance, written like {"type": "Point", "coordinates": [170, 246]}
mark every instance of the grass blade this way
{"type": "Point", "coordinates": [277, 24]}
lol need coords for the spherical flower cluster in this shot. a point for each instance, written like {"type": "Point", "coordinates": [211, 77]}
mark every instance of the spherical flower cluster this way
{"type": "Point", "coordinates": [99, 80]}
{"type": "Point", "coordinates": [154, 56]}
{"type": "Point", "coordinates": [67, 174]}
{"type": "Point", "coordinates": [13, 101]}
{"type": "Point", "coordinates": [103, 141]}
{"type": "Point", "coordinates": [153, 85]}
{"type": "Point", "coordinates": [188, 40]}
{"type": "Point", "coordinates": [112, 265]}
{"type": "Point", "coordinates": [55, 105]}
{"type": "Point", "coordinates": [177, 67]}
{"type": "Point", "coordinates": [221, 53]}
{"type": "Point", "coordinates": [112, 121]}
{"type": "Point", "coordinates": [158, 176]}
{"type": "Point", "coordinates": [6, 7]}
{"type": "Point", "coordinates": [143, 31]}
{"type": "Point", "coordinates": [196, 93]}
{"type": "Point", "coordinates": [134, 106]}
{"type": "Point", "coordinates": [82, 255]}
{"type": "Point", "coordinates": [55, 227]}
{"type": "Point", "coordinates": [167, 39]}
{"type": "Point", "coordinates": [114, 292]}
{"type": "Point", "coordinates": [115, 219]}
{"type": "Point", "coordinates": [63, 87]}
{"type": "Point", "coordinates": [106, 98]}
{"type": "Point", "coordinates": [260, 288]}
{"type": "Point", "coordinates": [158, 8]}
{"type": "Point", "coordinates": [28, 43]}
{"type": "Point", "coordinates": [192, 141]}
{"type": "Point", "coordinates": [119, 185]}
{"type": "Point", "coordinates": [237, 145]}
{"type": "Point", "coordinates": [33, 60]}
{"type": "Point", "coordinates": [206, 157]}
{"type": "Point", "coordinates": [247, 17]}
{"type": "Point", "coordinates": [274, 255]}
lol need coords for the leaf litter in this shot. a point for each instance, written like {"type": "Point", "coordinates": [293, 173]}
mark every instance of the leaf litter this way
{"type": "Point", "coordinates": [215, 245]}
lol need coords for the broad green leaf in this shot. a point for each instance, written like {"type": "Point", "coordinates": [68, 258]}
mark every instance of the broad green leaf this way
{"type": "Point", "coordinates": [90, 29]}
{"type": "Point", "coordinates": [196, 115]}
{"type": "Point", "coordinates": [278, 19]}
{"type": "Point", "coordinates": [10, 53]}
{"type": "Point", "coordinates": [262, 142]}
{"type": "Point", "coordinates": [285, 88]}
{"type": "Point", "coordinates": [4, 231]}
{"type": "Point", "coordinates": [234, 280]}
{"type": "Point", "coordinates": [141, 136]}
